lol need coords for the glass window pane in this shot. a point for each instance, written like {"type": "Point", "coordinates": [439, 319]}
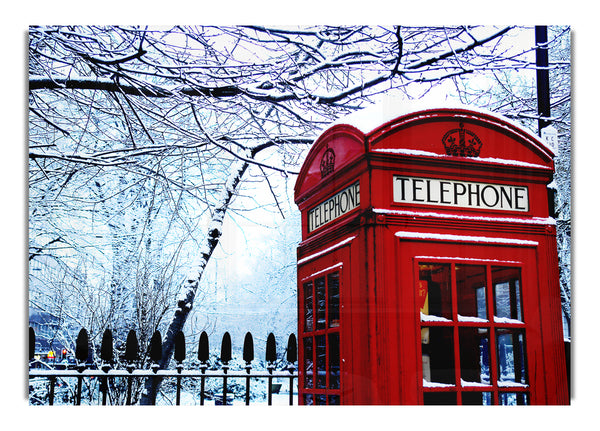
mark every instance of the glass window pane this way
{"type": "Point", "coordinates": [334, 361]}
{"type": "Point", "coordinates": [434, 290]}
{"type": "Point", "coordinates": [507, 292]}
{"type": "Point", "coordinates": [334, 400]}
{"type": "Point", "coordinates": [321, 348]}
{"type": "Point", "coordinates": [333, 289]}
{"type": "Point", "coordinates": [511, 356]}
{"type": "Point", "coordinates": [477, 398]}
{"type": "Point", "coordinates": [474, 345]}
{"type": "Point", "coordinates": [308, 399]}
{"type": "Point", "coordinates": [308, 306]}
{"type": "Point", "coordinates": [321, 400]}
{"type": "Point", "coordinates": [320, 297]}
{"type": "Point", "coordinates": [308, 362]}
{"type": "Point", "coordinates": [439, 399]}
{"type": "Point", "coordinates": [513, 399]}
{"type": "Point", "coordinates": [470, 287]}
{"type": "Point", "coordinates": [438, 355]}
{"type": "Point", "coordinates": [481, 302]}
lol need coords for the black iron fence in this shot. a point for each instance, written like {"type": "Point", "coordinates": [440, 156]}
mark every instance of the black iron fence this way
{"type": "Point", "coordinates": [132, 367]}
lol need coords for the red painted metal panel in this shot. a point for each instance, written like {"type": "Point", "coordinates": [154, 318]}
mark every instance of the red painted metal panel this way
{"type": "Point", "coordinates": [379, 242]}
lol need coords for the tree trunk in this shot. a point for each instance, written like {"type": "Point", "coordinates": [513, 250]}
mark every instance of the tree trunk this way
{"type": "Point", "coordinates": [190, 286]}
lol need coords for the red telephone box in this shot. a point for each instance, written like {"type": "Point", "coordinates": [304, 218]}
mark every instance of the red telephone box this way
{"type": "Point", "coordinates": [428, 270]}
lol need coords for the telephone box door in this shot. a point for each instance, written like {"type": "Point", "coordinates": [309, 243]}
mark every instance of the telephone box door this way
{"type": "Point", "coordinates": [322, 281]}
{"type": "Point", "coordinates": [473, 332]}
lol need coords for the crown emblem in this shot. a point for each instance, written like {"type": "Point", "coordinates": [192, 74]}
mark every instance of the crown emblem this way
{"type": "Point", "coordinates": [327, 162]}
{"type": "Point", "coordinates": [461, 142]}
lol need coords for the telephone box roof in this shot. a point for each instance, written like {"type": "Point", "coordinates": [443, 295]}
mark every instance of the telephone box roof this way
{"type": "Point", "coordinates": [395, 128]}
{"type": "Point", "coordinates": [373, 117]}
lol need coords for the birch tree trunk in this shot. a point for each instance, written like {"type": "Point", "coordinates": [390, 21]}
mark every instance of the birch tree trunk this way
{"type": "Point", "coordinates": [190, 286]}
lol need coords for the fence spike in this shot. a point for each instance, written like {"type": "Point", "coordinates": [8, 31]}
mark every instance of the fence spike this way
{"type": "Point", "coordinates": [31, 343]}
{"type": "Point", "coordinates": [106, 349]}
{"type": "Point", "coordinates": [271, 355]}
{"type": "Point", "coordinates": [203, 355]}
{"type": "Point", "coordinates": [292, 349]}
{"type": "Point", "coordinates": [226, 348]}
{"type": "Point", "coordinates": [156, 347]}
{"type": "Point", "coordinates": [131, 347]}
{"type": "Point", "coordinates": [179, 347]}
{"type": "Point", "coordinates": [81, 346]}
{"type": "Point", "coordinates": [248, 348]}
{"type": "Point", "coordinates": [83, 352]}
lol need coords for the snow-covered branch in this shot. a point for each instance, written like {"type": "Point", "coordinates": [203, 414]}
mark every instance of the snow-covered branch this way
{"type": "Point", "coordinates": [107, 84]}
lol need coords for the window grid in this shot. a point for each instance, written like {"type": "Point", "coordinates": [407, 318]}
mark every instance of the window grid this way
{"type": "Point", "coordinates": [494, 392]}
{"type": "Point", "coordinates": [321, 331]}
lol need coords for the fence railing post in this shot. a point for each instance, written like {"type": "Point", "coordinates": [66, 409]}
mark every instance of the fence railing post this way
{"type": "Point", "coordinates": [106, 356]}
{"type": "Point", "coordinates": [132, 349]}
{"type": "Point", "coordinates": [271, 357]}
{"type": "Point", "coordinates": [291, 357]}
{"type": "Point", "coordinates": [51, 391]}
{"type": "Point", "coordinates": [81, 354]}
{"type": "Point", "coordinates": [179, 358]}
{"type": "Point", "coordinates": [248, 356]}
{"type": "Point", "coordinates": [155, 357]}
{"type": "Point", "coordinates": [31, 344]}
{"type": "Point", "coordinates": [203, 356]}
{"type": "Point", "coordinates": [225, 358]}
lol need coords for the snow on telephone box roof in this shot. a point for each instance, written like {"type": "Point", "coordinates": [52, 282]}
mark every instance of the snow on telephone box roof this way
{"type": "Point", "coordinates": [418, 129]}
{"type": "Point", "coordinates": [372, 117]}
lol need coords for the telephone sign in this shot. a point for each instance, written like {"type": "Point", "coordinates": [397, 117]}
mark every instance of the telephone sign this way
{"type": "Point", "coordinates": [334, 207]}
{"type": "Point", "coordinates": [434, 191]}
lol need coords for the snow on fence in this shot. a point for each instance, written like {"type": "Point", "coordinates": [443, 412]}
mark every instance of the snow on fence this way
{"type": "Point", "coordinates": [130, 367]}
